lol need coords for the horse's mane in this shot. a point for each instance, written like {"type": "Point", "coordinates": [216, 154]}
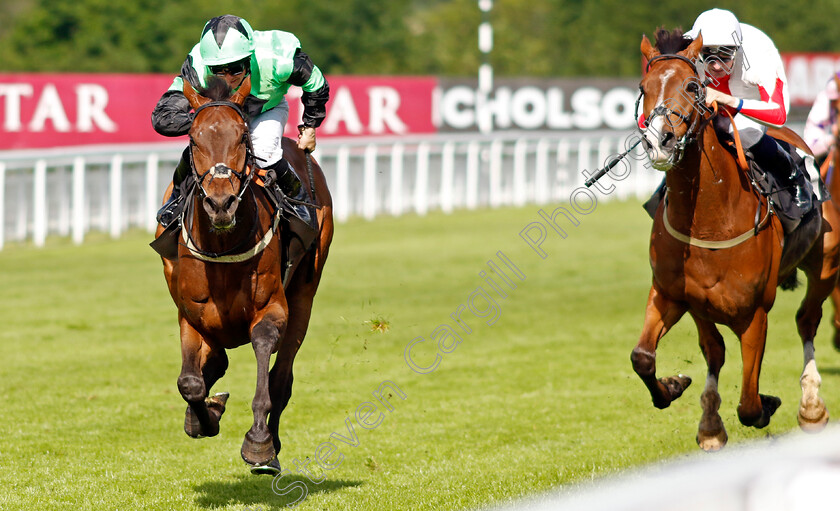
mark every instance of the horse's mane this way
{"type": "Point", "coordinates": [671, 42]}
{"type": "Point", "coordinates": [216, 90]}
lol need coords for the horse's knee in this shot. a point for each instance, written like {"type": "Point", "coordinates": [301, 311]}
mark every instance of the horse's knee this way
{"type": "Point", "coordinates": [644, 362]}
{"type": "Point", "coordinates": [191, 388]}
{"type": "Point", "coordinates": [265, 336]}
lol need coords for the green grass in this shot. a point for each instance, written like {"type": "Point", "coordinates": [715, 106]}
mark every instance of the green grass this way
{"type": "Point", "coordinates": [544, 397]}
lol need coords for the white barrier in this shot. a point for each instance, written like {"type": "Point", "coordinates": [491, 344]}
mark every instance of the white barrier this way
{"type": "Point", "coordinates": [799, 472]}
{"type": "Point", "coordinates": [69, 192]}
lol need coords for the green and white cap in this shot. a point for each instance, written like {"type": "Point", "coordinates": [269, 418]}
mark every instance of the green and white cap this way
{"type": "Point", "coordinates": [226, 39]}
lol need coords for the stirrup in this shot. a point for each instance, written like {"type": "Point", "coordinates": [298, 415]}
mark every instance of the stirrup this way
{"type": "Point", "coordinates": [171, 210]}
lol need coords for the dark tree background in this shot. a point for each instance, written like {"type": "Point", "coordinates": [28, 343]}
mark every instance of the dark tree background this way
{"type": "Point", "coordinates": [532, 37]}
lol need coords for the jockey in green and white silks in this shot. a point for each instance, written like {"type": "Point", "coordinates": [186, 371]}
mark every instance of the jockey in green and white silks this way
{"type": "Point", "coordinates": [230, 49]}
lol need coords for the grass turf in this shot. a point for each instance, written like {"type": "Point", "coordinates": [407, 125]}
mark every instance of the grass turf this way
{"type": "Point", "coordinates": [542, 397]}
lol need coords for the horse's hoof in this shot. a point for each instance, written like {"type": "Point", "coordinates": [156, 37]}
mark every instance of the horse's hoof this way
{"type": "Point", "coordinates": [712, 442]}
{"type": "Point", "coordinates": [769, 405]}
{"type": "Point", "coordinates": [192, 427]}
{"type": "Point", "coordinates": [272, 468]}
{"type": "Point", "coordinates": [675, 385]}
{"type": "Point", "coordinates": [216, 405]}
{"type": "Point", "coordinates": [813, 422]}
{"type": "Point", "coordinates": [257, 453]}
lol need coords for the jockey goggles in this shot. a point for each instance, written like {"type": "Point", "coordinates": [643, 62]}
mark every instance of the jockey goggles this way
{"type": "Point", "coordinates": [721, 53]}
{"type": "Point", "coordinates": [231, 68]}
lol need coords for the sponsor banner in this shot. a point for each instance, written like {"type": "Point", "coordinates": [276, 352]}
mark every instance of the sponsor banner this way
{"type": "Point", "coordinates": [537, 104]}
{"type": "Point", "coordinates": [807, 74]}
{"type": "Point", "coordinates": [56, 110]}
{"type": "Point", "coordinates": [44, 110]}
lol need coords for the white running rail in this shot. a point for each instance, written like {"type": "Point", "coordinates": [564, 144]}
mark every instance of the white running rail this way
{"type": "Point", "coordinates": [72, 191]}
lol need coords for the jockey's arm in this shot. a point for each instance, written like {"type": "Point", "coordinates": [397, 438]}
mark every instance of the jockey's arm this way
{"type": "Point", "coordinates": [316, 93]}
{"type": "Point", "coordinates": [171, 116]}
{"type": "Point", "coordinates": [769, 110]}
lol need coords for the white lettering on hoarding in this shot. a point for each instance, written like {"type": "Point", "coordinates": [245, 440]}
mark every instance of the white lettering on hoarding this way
{"type": "Point", "coordinates": [12, 92]}
{"type": "Point", "coordinates": [343, 110]}
{"type": "Point", "coordinates": [91, 100]}
{"type": "Point", "coordinates": [384, 103]}
{"type": "Point", "coordinates": [531, 108]}
{"type": "Point", "coordinates": [49, 108]}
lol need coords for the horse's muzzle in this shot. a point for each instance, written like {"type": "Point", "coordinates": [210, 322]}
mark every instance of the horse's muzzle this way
{"type": "Point", "coordinates": [221, 211]}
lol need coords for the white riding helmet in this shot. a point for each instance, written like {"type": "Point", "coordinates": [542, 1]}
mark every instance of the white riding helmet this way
{"type": "Point", "coordinates": [719, 28]}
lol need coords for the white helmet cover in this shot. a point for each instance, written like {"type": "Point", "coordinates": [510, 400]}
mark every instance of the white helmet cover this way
{"type": "Point", "coordinates": [719, 28]}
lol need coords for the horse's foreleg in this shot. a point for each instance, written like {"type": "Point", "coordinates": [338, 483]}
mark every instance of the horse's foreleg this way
{"type": "Point", "coordinates": [754, 409]}
{"type": "Point", "coordinates": [660, 315]}
{"type": "Point", "coordinates": [711, 435]}
{"type": "Point", "coordinates": [258, 446]}
{"type": "Point", "coordinates": [199, 421]}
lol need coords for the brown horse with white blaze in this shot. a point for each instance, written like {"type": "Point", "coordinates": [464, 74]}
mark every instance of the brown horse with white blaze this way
{"type": "Point", "coordinates": [718, 253]}
{"type": "Point", "coordinates": [227, 280]}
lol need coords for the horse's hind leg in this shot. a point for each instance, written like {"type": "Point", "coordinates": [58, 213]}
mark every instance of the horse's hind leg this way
{"type": "Point", "coordinates": [660, 315]}
{"type": "Point", "coordinates": [199, 420]}
{"type": "Point", "coordinates": [711, 435]}
{"type": "Point", "coordinates": [821, 269]}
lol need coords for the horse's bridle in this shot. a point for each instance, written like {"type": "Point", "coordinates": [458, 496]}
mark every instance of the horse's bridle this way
{"type": "Point", "coordinates": [220, 170]}
{"type": "Point", "coordinates": [692, 132]}
{"type": "Point", "coordinates": [245, 176]}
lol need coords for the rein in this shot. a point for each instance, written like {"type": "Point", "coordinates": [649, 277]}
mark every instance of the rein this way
{"type": "Point", "coordinates": [245, 176]}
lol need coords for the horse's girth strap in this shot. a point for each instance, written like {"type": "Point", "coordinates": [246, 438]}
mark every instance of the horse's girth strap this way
{"type": "Point", "coordinates": [739, 148]}
{"type": "Point", "coordinates": [713, 245]}
{"type": "Point", "coordinates": [234, 258]}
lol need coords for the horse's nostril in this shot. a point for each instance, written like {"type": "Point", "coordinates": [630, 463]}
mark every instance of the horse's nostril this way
{"type": "Point", "coordinates": [210, 205]}
{"type": "Point", "coordinates": [230, 203]}
{"type": "Point", "coordinates": [667, 140]}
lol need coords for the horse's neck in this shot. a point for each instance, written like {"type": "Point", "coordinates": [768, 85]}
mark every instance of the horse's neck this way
{"type": "Point", "coordinates": [706, 190]}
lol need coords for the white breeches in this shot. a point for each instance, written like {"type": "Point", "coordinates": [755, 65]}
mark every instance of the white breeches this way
{"type": "Point", "coordinates": [267, 134]}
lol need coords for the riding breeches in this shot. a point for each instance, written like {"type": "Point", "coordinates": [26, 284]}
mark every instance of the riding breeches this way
{"type": "Point", "coordinates": [267, 134]}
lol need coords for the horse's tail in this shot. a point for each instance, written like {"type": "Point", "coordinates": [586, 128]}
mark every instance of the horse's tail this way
{"type": "Point", "coordinates": [791, 281]}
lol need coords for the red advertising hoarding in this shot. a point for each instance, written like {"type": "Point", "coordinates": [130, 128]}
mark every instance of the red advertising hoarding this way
{"type": "Point", "coordinates": [56, 110]}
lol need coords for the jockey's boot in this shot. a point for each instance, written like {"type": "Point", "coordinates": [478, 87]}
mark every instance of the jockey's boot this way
{"type": "Point", "coordinates": [784, 163]}
{"type": "Point", "coordinates": [291, 186]}
{"type": "Point", "coordinates": [652, 204]}
{"type": "Point", "coordinates": [171, 210]}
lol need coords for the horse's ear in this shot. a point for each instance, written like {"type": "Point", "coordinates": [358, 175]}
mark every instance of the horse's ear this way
{"type": "Point", "coordinates": [242, 92]}
{"type": "Point", "coordinates": [647, 49]}
{"type": "Point", "coordinates": [195, 99]}
{"type": "Point", "coordinates": [694, 48]}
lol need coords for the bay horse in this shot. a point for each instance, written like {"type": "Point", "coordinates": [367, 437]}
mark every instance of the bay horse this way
{"type": "Point", "coordinates": [718, 253]}
{"type": "Point", "coordinates": [227, 277]}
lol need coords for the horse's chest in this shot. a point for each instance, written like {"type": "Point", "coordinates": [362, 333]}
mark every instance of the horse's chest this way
{"type": "Point", "coordinates": [215, 305]}
{"type": "Point", "coordinates": [717, 289]}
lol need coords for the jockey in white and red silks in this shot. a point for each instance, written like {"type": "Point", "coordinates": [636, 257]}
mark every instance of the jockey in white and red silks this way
{"type": "Point", "coordinates": [743, 72]}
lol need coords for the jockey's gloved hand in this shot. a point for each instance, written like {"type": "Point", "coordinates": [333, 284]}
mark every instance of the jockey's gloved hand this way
{"type": "Point", "coordinates": [306, 138]}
